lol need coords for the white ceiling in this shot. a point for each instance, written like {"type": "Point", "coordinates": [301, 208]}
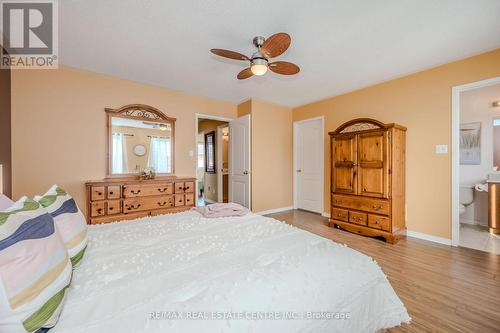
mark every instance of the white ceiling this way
{"type": "Point", "coordinates": [340, 45]}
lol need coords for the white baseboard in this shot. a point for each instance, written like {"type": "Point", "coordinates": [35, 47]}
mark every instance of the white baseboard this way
{"type": "Point", "coordinates": [325, 214]}
{"type": "Point", "coordinates": [275, 210]}
{"type": "Point", "coordinates": [210, 201]}
{"type": "Point", "coordinates": [427, 237]}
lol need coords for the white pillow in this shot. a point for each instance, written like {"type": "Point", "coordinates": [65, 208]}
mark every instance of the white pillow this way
{"type": "Point", "coordinates": [5, 202]}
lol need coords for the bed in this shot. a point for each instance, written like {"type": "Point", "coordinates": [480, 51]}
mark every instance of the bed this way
{"type": "Point", "coordinates": [185, 273]}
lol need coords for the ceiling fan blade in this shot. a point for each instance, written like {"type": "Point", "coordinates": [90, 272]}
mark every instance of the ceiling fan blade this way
{"type": "Point", "coordinates": [245, 74]}
{"type": "Point", "coordinates": [229, 54]}
{"type": "Point", "coordinates": [276, 45]}
{"type": "Point", "coordinates": [284, 67]}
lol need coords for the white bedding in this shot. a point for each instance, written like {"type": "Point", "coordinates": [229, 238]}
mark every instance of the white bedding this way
{"type": "Point", "coordinates": [136, 275]}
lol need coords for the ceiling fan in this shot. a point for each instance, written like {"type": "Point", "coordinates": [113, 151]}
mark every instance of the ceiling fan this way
{"type": "Point", "coordinates": [259, 62]}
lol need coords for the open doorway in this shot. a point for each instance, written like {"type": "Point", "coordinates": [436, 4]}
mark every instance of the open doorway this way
{"type": "Point", "coordinates": [212, 161]}
{"type": "Point", "coordinates": [476, 155]}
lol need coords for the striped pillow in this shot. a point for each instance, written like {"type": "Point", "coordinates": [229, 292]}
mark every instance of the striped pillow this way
{"type": "Point", "coordinates": [69, 220]}
{"type": "Point", "coordinates": [35, 270]}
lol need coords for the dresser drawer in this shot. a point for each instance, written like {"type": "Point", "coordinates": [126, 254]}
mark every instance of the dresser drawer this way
{"type": "Point", "coordinates": [141, 204]}
{"type": "Point", "coordinates": [379, 222]}
{"type": "Point", "coordinates": [97, 208]}
{"type": "Point", "coordinates": [189, 199]}
{"type": "Point", "coordinates": [179, 200]}
{"type": "Point", "coordinates": [113, 207]}
{"type": "Point", "coordinates": [144, 190]}
{"type": "Point", "coordinates": [189, 187]}
{"type": "Point", "coordinates": [184, 187]}
{"type": "Point", "coordinates": [361, 203]}
{"type": "Point", "coordinates": [358, 218]}
{"type": "Point", "coordinates": [340, 214]}
{"type": "Point", "coordinates": [97, 193]}
{"type": "Point", "coordinates": [114, 192]}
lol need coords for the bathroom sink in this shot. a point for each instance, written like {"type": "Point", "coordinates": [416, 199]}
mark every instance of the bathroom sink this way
{"type": "Point", "coordinates": [494, 177]}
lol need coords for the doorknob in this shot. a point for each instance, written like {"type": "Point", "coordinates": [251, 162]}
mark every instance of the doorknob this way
{"type": "Point", "coordinates": [245, 172]}
{"type": "Point", "coordinates": [300, 170]}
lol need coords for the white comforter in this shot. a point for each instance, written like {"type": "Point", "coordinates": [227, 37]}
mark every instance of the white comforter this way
{"type": "Point", "coordinates": [186, 273]}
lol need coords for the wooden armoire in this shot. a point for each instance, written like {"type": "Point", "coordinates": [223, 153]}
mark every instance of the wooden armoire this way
{"type": "Point", "coordinates": [368, 178]}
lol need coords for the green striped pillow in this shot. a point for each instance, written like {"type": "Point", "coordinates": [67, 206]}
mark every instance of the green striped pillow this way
{"type": "Point", "coordinates": [35, 269]}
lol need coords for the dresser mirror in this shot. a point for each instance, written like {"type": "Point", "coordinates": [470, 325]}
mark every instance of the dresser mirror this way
{"type": "Point", "coordinates": [139, 137]}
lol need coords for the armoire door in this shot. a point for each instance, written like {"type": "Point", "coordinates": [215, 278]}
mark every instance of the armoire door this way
{"type": "Point", "coordinates": [344, 155]}
{"type": "Point", "coordinates": [373, 156]}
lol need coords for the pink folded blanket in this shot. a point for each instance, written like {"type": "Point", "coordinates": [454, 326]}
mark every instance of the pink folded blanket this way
{"type": "Point", "coordinates": [222, 210]}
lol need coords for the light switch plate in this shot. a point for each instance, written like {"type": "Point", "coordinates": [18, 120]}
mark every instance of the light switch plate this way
{"type": "Point", "coordinates": [441, 149]}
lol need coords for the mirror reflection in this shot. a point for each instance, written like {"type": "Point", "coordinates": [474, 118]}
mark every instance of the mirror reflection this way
{"type": "Point", "coordinates": [138, 144]}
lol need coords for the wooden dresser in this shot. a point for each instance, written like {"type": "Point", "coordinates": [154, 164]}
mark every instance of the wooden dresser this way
{"type": "Point", "coordinates": [368, 178]}
{"type": "Point", "coordinates": [112, 200]}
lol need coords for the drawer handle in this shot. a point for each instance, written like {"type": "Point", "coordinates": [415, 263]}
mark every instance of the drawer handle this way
{"type": "Point", "coordinates": [134, 207]}
{"type": "Point", "coordinates": [99, 210]}
{"type": "Point", "coordinates": [135, 192]}
{"type": "Point", "coordinates": [162, 189]}
{"type": "Point", "coordinates": [185, 188]}
{"type": "Point", "coordinates": [340, 215]}
{"type": "Point", "coordinates": [99, 193]}
{"type": "Point", "coordinates": [377, 207]}
{"type": "Point", "coordinates": [162, 203]}
{"type": "Point", "coordinates": [355, 218]}
{"type": "Point", "coordinates": [338, 201]}
{"type": "Point", "coordinates": [110, 208]}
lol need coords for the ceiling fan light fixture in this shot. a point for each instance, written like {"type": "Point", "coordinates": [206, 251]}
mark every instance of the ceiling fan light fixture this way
{"type": "Point", "coordinates": [259, 66]}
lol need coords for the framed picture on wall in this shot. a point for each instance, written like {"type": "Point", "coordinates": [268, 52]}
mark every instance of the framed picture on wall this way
{"type": "Point", "coordinates": [470, 144]}
{"type": "Point", "coordinates": [210, 152]}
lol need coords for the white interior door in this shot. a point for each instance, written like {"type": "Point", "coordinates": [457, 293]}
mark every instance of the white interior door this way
{"type": "Point", "coordinates": [239, 161]}
{"type": "Point", "coordinates": [308, 151]}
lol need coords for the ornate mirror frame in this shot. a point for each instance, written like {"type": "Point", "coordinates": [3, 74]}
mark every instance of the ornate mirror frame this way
{"type": "Point", "coordinates": [137, 112]}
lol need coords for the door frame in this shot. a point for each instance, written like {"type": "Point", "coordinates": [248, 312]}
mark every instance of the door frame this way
{"type": "Point", "coordinates": [197, 117]}
{"type": "Point", "coordinates": [220, 190]}
{"type": "Point", "coordinates": [455, 151]}
{"type": "Point", "coordinates": [322, 158]}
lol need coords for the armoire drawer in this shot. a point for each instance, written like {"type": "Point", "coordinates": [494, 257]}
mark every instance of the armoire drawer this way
{"type": "Point", "coordinates": [358, 218]}
{"type": "Point", "coordinates": [141, 204]}
{"type": "Point", "coordinates": [361, 203]}
{"type": "Point", "coordinates": [340, 214]}
{"type": "Point", "coordinates": [145, 190]}
{"type": "Point", "coordinates": [379, 222]}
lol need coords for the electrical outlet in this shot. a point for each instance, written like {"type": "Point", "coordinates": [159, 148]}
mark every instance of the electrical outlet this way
{"type": "Point", "coordinates": [441, 149]}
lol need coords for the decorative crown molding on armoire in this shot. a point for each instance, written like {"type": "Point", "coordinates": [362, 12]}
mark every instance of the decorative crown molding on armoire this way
{"type": "Point", "coordinates": [368, 178]}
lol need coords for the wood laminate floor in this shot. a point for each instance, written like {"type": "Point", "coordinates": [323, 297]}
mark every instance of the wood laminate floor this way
{"type": "Point", "coordinates": [444, 288]}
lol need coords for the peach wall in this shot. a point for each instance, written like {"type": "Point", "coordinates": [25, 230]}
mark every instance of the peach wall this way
{"type": "Point", "coordinates": [271, 156]}
{"type": "Point", "coordinates": [421, 102]}
{"type": "Point", "coordinates": [59, 126]}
